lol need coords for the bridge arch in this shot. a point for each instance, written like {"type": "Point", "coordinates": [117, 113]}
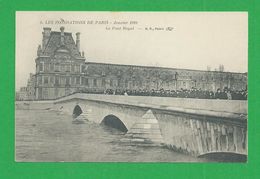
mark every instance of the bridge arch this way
{"type": "Point", "coordinates": [77, 111]}
{"type": "Point", "coordinates": [224, 156]}
{"type": "Point", "coordinates": [114, 122]}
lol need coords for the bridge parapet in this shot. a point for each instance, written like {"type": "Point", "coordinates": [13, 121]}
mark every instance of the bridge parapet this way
{"type": "Point", "coordinates": [229, 106]}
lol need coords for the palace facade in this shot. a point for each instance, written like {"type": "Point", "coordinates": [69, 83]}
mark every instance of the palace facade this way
{"type": "Point", "coordinates": [62, 69]}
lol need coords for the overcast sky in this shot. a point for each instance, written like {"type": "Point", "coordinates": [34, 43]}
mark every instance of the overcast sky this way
{"type": "Point", "coordinates": [197, 40]}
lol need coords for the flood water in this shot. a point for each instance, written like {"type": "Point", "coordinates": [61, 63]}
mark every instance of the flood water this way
{"type": "Point", "coordinates": [43, 135]}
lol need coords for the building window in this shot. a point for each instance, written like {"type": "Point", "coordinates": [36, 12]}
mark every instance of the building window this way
{"type": "Point", "coordinates": [56, 92]}
{"type": "Point", "coordinates": [103, 82]}
{"type": "Point", "coordinates": [72, 68]}
{"type": "Point", "coordinates": [67, 80]}
{"type": "Point", "coordinates": [77, 68]}
{"type": "Point", "coordinates": [95, 82]}
{"type": "Point", "coordinates": [86, 82]}
{"type": "Point", "coordinates": [82, 68]}
{"type": "Point", "coordinates": [129, 85]}
{"type": "Point", "coordinates": [56, 80]}
{"type": "Point", "coordinates": [62, 67]}
{"type": "Point", "coordinates": [111, 82]}
{"type": "Point", "coordinates": [67, 68]}
{"type": "Point", "coordinates": [51, 67]}
{"type": "Point", "coordinates": [126, 84]}
{"type": "Point", "coordinates": [40, 93]}
{"type": "Point", "coordinates": [46, 80]}
{"type": "Point", "coordinates": [82, 82]}
{"type": "Point", "coordinates": [77, 80]}
{"type": "Point", "coordinates": [41, 66]}
{"type": "Point", "coordinates": [51, 80]}
{"type": "Point", "coordinates": [62, 80]}
{"type": "Point", "coordinates": [39, 79]}
{"type": "Point", "coordinates": [45, 93]}
{"type": "Point", "coordinates": [140, 84]}
{"type": "Point", "coordinates": [46, 67]}
{"type": "Point", "coordinates": [57, 67]}
{"type": "Point", "coordinates": [73, 80]}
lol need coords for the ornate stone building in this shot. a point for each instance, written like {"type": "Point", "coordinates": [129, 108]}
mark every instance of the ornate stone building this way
{"type": "Point", "coordinates": [28, 92]}
{"type": "Point", "coordinates": [61, 69]}
{"type": "Point", "coordinates": [31, 87]}
{"type": "Point", "coordinates": [59, 65]}
{"type": "Point", "coordinates": [143, 77]}
{"type": "Point", "coordinates": [22, 94]}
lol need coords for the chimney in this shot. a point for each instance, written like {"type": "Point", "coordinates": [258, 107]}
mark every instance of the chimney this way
{"type": "Point", "coordinates": [78, 41]}
{"type": "Point", "coordinates": [45, 36]}
{"type": "Point", "coordinates": [62, 36]}
{"type": "Point", "coordinates": [39, 51]}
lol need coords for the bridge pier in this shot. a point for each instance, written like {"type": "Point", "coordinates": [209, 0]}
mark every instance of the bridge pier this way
{"type": "Point", "coordinates": [82, 116]}
{"type": "Point", "coordinates": [145, 131]}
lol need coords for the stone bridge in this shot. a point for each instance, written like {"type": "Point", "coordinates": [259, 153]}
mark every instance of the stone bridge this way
{"type": "Point", "coordinates": [194, 126]}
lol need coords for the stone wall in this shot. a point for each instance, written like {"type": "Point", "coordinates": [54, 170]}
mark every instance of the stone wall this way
{"type": "Point", "coordinates": [199, 135]}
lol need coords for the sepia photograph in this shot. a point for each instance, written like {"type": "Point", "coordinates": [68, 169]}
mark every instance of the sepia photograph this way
{"type": "Point", "coordinates": [131, 86]}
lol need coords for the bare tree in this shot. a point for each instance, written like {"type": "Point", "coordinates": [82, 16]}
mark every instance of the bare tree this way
{"type": "Point", "coordinates": [221, 67]}
{"type": "Point", "coordinates": [208, 68]}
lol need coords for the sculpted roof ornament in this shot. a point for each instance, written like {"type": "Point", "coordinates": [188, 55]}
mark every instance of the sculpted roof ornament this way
{"type": "Point", "coordinates": [39, 50]}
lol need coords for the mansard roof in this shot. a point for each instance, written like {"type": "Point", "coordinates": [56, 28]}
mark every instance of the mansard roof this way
{"type": "Point", "coordinates": [145, 67]}
{"type": "Point", "coordinates": [129, 71]}
{"type": "Point", "coordinates": [54, 43]}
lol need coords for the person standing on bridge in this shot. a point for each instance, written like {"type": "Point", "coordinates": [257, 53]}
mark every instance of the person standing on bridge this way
{"type": "Point", "coordinates": [229, 96]}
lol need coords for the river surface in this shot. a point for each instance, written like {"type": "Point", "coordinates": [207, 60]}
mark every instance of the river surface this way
{"type": "Point", "coordinates": [43, 136]}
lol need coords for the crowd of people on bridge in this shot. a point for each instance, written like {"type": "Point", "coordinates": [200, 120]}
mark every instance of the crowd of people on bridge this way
{"type": "Point", "coordinates": [182, 93]}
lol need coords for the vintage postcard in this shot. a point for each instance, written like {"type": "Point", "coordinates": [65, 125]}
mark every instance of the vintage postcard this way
{"type": "Point", "coordinates": [131, 86]}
